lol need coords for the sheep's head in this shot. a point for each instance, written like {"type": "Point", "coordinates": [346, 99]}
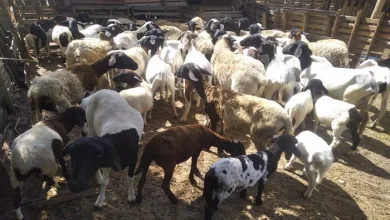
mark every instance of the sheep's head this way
{"type": "Point", "coordinates": [255, 28]}
{"type": "Point", "coordinates": [217, 35]}
{"type": "Point", "coordinates": [191, 25]}
{"type": "Point", "coordinates": [316, 88]}
{"type": "Point", "coordinates": [151, 42]}
{"type": "Point", "coordinates": [112, 30]}
{"type": "Point", "coordinates": [129, 77]}
{"type": "Point", "coordinates": [88, 154]}
{"type": "Point", "coordinates": [243, 23]}
{"type": "Point", "coordinates": [287, 143]}
{"type": "Point", "coordinates": [76, 117]}
{"type": "Point", "coordinates": [120, 60]}
{"type": "Point", "coordinates": [296, 33]}
{"type": "Point", "coordinates": [229, 40]}
{"type": "Point", "coordinates": [300, 50]}
{"type": "Point", "coordinates": [268, 47]}
{"type": "Point", "coordinates": [234, 148]}
{"type": "Point", "coordinates": [83, 17]}
{"type": "Point", "coordinates": [212, 25]}
{"type": "Point", "coordinates": [194, 74]}
{"type": "Point", "coordinates": [252, 41]}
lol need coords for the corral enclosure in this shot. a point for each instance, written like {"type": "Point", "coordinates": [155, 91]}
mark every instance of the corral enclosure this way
{"type": "Point", "coordinates": [356, 187]}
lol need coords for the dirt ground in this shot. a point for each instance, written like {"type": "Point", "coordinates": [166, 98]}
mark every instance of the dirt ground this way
{"type": "Point", "coordinates": [356, 187]}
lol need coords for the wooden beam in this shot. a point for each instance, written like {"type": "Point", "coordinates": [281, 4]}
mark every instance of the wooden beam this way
{"type": "Point", "coordinates": [328, 26]}
{"type": "Point", "coordinates": [336, 23]}
{"type": "Point", "coordinates": [264, 19]}
{"type": "Point", "coordinates": [376, 31]}
{"type": "Point", "coordinates": [378, 8]}
{"type": "Point", "coordinates": [354, 29]}
{"type": "Point", "coordinates": [284, 19]}
{"type": "Point", "coordinates": [305, 22]}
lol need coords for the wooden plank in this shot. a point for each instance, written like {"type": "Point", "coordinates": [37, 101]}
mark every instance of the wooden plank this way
{"type": "Point", "coordinates": [264, 19]}
{"type": "Point", "coordinates": [328, 26]}
{"type": "Point", "coordinates": [354, 29]}
{"type": "Point", "coordinates": [305, 18]}
{"type": "Point", "coordinates": [284, 19]}
{"type": "Point", "coordinates": [336, 24]}
{"type": "Point", "coordinates": [374, 36]}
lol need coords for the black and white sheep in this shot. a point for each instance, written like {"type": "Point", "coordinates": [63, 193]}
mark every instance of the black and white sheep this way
{"type": "Point", "coordinates": [228, 174]}
{"type": "Point", "coordinates": [40, 35]}
{"type": "Point", "coordinates": [114, 130]}
{"type": "Point", "coordinates": [39, 150]}
{"type": "Point", "coordinates": [176, 145]}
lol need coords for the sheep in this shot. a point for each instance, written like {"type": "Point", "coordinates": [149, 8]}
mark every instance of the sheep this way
{"type": "Point", "coordinates": [240, 73]}
{"type": "Point", "coordinates": [159, 75]}
{"type": "Point", "coordinates": [196, 23]}
{"type": "Point", "coordinates": [61, 36]}
{"type": "Point", "coordinates": [227, 174]}
{"type": "Point", "coordinates": [336, 51]}
{"type": "Point", "coordinates": [39, 149]}
{"type": "Point", "coordinates": [171, 32]}
{"type": "Point", "coordinates": [176, 145]}
{"type": "Point", "coordinates": [281, 74]}
{"type": "Point", "coordinates": [83, 17]}
{"type": "Point", "coordinates": [382, 77]}
{"type": "Point", "coordinates": [203, 43]}
{"type": "Point", "coordinates": [40, 35]}
{"type": "Point", "coordinates": [248, 51]}
{"type": "Point", "coordinates": [92, 31]}
{"type": "Point", "coordinates": [139, 96]}
{"type": "Point", "coordinates": [60, 89]}
{"type": "Point", "coordinates": [258, 117]}
{"type": "Point", "coordinates": [181, 26]}
{"type": "Point", "coordinates": [172, 56]}
{"type": "Point", "coordinates": [114, 130]}
{"type": "Point", "coordinates": [298, 107]}
{"type": "Point", "coordinates": [229, 24]}
{"type": "Point", "coordinates": [355, 86]}
{"type": "Point", "coordinates": [338, 115]}
{"type": "Point", "coordinates": [316, 156]}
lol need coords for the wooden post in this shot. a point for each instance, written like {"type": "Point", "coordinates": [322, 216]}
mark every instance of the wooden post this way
{"type": "Point", "coordinates": [354, 29]}
{"type": "Point", "coordinates": [305, 21]}
{"type": "Point", "coordinates": [327, 27]}
{"type": "Point", "coordinates": [5, 96]}
{"type": "Point", "coordinates": [376, 31]}
{"type": "Point", "coordinates": [378, 8]}
{"type": "Point", "coordinates": [284, 19]}
{"type": "Point", "coordinates": [336, 24]}
{"type": "Point", "coordinates": [264, 19]}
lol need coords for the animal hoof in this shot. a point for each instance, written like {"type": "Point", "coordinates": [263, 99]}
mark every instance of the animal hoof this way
{"type": "Point", "coordinates": [307, 195]}
{"type": "Point", "coordinates": [131, 199]}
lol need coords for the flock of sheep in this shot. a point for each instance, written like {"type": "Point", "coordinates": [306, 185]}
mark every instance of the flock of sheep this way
{"type": "Point", "coordinates": [256, 81]}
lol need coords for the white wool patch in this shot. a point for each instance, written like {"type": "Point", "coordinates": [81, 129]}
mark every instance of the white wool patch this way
{"type": "Point", "coordinates": [107, 33]}
{"type": "Point", "coordinates": [112, 61]}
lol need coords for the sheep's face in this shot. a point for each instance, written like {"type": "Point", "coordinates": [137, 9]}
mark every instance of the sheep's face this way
{"type": "Point", "coordinates": [88, 154]}
{"type": "Point", "coordinates": [151, 43]}
{"type": "Point", "coordinates": [120, 60]}
{"type": "Point", "coordinates": [229, 40]}
{"type": "Point", "coordinates": [192, 26]}
{"type": "Point", "coordinates": [252, 41]}
{"type": "Point", "coordinates": [267, 48]}
{"type": "Point", "coordinates": [129, 77]}
{"type": "Point", "coordinates": [112, 30]}
{"type": "Point", "coordinates": [235, 148]}
{"type": "Point", "coordinates": [288, 144]}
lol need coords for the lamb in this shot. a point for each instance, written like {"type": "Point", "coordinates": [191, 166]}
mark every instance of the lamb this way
{"type": "Point", "coordinates": [159, 75]}
{"type": "Point", "coordinates": [60, 89]}
{"type": "Point", "coordinates": [227, 174]}
{"type": "Point", "coordinates": [382, 77]}
{"type": "Point", "coordinates": [316, 156]}
{"type": "Point", "coordinates": [203, 43]}
{"type": "Point", "coordinates": [282, 73]}
{"type": "Point", "coordinates": [298, 107]}
{"type": "Point", "coordinates": [334, 113]}
{"type": "Point", "coordinates": [334, 50]}
{"type": "Point", "coordinates": [39, 149]}
{"type": "Point", "coordinates": [176, 145]}
{"type": "Point", "coordinates": [258, 117]}
{"type": "Point", "coordinates": [195, 60]}
{"type": "Point", "coordinates": [114, 130]}
{"type": "Point", "coordinates": [240, 73]}
{"type": "Point", "coordinates": [139, 96]}
{"type": "Point", "coordinates": [62, 36]}
{"type": "Point", "coordinates": [40, 36]}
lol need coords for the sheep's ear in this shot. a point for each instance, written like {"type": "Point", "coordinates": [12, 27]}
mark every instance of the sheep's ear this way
{"type": "Point", "coordinates": [110, 152]}
{"type": "Point", "coordinates": [192, 76]}
{"type": "Point", "coordinates": [324, 90]}
{"type": "Point", "coordinates": [112, 60]}
{"type": "Point", "coordinates": [308, 87]}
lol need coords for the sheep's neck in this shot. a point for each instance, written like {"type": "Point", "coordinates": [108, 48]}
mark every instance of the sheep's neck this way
{"type": "Point", "coordinates": [61, 125]}
{"type": "Point", "coordinates": [100, 67]}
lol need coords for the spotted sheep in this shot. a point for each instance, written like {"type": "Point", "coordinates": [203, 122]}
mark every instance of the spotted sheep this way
{"type": "Point", "coordinates": [229, 174]}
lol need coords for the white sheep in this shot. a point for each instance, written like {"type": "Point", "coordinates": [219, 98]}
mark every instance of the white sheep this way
{"type": "Point", "coordinates": [92, 31]}
{"type": "Point", "coordinates": [382, 77]}
{"type": "Point", "coordinates": [171, 32]}
{"type": "Point", "coordinates": [62, 36]}
{"type": "Point", "coordinates": [159, 75]}
{"type": "Point", "coordinates": [39, 150]}
{"type": "Point", "coordinates": [316, 156]}
{"type": "Point", "coordinates": [203, 43]}
{"type": "Point", "coordinates": [298, 107]}
{"type": "Point", "coordinates": [111, 123]}
{"type": "Point", "coordinates": [338, 115]}
{"type": "Point", "coordinates": [139, 96]}
{"type": "Point", "coordinates": [240, 73]}
{"type": "Point", "coordinates": [139, 55]}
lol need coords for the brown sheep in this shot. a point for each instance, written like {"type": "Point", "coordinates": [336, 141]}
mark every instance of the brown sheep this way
{"type": "Point", "coordinates": [177, 145]}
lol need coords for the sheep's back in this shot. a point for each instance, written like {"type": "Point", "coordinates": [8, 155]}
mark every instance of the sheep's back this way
{"type": "Point", "coordinates": [327, 109]}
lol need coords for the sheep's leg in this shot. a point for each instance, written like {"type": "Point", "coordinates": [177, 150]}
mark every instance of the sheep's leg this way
{"type": "Point", "coordinates": [194, 168]}
{"type": "Point", "coordinates": [98, 177]}
{"type": "Point", "coordinates": [321, 173]}
{"type": "Point", "coordinates": [144, 116]}
{"type": "Point", "coordinates": [16, 195]}
{"type": "Point", "coordinates": [171, 86]}
{"type": "Point", "coordinates": [50, 181]}
{"type": "Point", "coordinates": [102, 196]}
{"type": "Point", "coordinates": [299, 118]}
{"type": "Point", "coordinates": [289, 164]}
{"type": "Point", "coordinates": [187, 100]}
{"type": "Point", "coordinates": [197, 101]}
{"type": "Point", "coordinates": [280, 95]}
{"type": "Point", "coordinates": [141, 184]}
{"type": "Point", "coordinates": [260, 189]}
{"type": "Point", "coordinates": [207, 121]}
{"type": "Point", "coordinates": [168, 173]}
{"type": "Point", "coordinates": [311, 175]}
{"type": "Point", "coordinates": [130, 173]}
{"type": "Point", "coordinates": [337, 131]}
{"type": "Point", "coordinates": [382, 111]}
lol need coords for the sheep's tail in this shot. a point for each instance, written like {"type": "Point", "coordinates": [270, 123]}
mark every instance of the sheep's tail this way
{"type": "Point", "coordinates": [210, 184]}
{"type": "Point", "coordinates": [146, 160]}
